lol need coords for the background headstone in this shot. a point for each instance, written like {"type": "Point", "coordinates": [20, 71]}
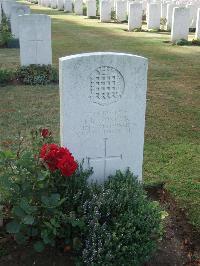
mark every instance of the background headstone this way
{"type": "Point", "coordinates": [60, 4]}
{"type": "Point", "coordinates": [193, 15]}
{"type": "Point", "coordinates": [103, 101]}
{"type": "Point", "coordinates": [180, 24]}
{"type": "Point", "coordinates": [15, 12]}
{"type": "Point", "coordinates": [91, 8]}
{"type": "Point", "coordinates": [121, 9]}
{"type": "Point", "coordinates": [170, 8]}
{"type": "Point", "coordinates": [53, 4]}
{"type": "Point", "coordinates": [135, 16]}
{"type": "Point", "coordinates": [153, 16]}
{"type": "Point", "coordinates": [68, 5]}
{"type": "Point", "coordinates": [105, 11]}
{"type": "Point", "coordinates": [35, 39]}
{"type": "Point", "coordinates": [0, 13]}
{"type": "Point", "coordinates": [78, 7]}
{"type": "Point", "coordinates": [197, 33]}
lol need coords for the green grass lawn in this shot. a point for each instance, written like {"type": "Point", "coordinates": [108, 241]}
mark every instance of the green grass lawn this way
{"type": "Point", "coordinates": [172, 150]}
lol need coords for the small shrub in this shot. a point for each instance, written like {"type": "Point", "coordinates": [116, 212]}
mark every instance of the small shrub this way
{"type": "Point", "coordinates": [182, 42]}
{"type": "Point", "coordinates": [5, 32]}
{"type": "Point", "coordinates": [84, 10]}
{"type": "Point", "coordinates": [41, 191]}
{"type": "Point", "coordinates": [6, 76]}
{"type": "Point", "coordinates": [47, 201]}
{"type": "Point", "coordinates": [196, 42]}
{"type": "Point", "coordinates": [113, 15]}
{"type": "Point", "coordinates": [36, 74]}
{"type": "Point", "coordinates": [163, 22]}
{"type": "Point", "coordinates": [137, 30]}
{"type": "Point", "coordinates": [123, 226]}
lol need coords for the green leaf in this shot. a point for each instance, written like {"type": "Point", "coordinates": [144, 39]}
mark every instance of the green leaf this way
{"type": "Point", "coordinates": [20, 238]}
{"type": "Point", "coordinates": [24, 204]}
{"type": "Point", "coordinates": [18, 212]}
{"type": "Point", "coordinates": [39, 246]}
{"type": "Point", "coordinates": [28, 220]}
{"type": "Point", "coordinates": [13, 227]}
{"type": "Point", "coordinates": [52, 201]}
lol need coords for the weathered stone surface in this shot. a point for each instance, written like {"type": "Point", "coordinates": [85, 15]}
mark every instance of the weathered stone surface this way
{"type": "Point", "coordinates": [121, 9]}
{"type": "Point", "coordinates": [91, 8]}
{"type": "Point", "coordinates": [35, 39]}
{"type": "Point", "coordinates": [68, 5]}
{"type": "Point", "coordinates": [153, 16]}
{"type": "Point", "coordinates": [17, 10]}
{"type": "Point", "coordinates": [78, 7]}
{"type": "Point", "coordinates": [103, 101]}
{"type": "Point", "coordinates": [180, 24]}
{"type": "Point", "coordinates": [197, 33]}
{"type": "Point", "coordinates": [105, 11]}
{"type": "Point", "coordinates": [134, 16]}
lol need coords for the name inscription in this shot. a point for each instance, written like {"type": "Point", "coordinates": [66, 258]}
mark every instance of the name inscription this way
{"type": "Point", "coordinates": [105, 123]}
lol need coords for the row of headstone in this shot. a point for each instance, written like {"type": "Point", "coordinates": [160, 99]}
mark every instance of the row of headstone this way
{"type": "Point", "coordinates": [33, 32]}
{"type": "Point", "coordinates": [156, 13]}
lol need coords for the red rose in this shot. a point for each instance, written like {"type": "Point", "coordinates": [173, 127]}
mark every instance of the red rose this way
{"type": "Point", "coordinates": [48, 154]}
{"type": "Point", "coordinates": [58, 158]}
{"type": "Point", "coordinates": [45, 133]}
{"type": "Point", "coordinates": [67, 165]}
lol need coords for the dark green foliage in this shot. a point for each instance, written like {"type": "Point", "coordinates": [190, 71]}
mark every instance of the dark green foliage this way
{"type": "Point", "coordinates": [6, 76]}
{"type": "Point", "coordinates": [5, 32]}
{"type": "Point", "coordinates": [113, 15]}
{"type": "Point", "coordinates": [106, 224]}
{"type": "Point", "coordinates": [123, 226]}
{"type": "Point", "coordinates": [137, 30]}
{"type": "Point", "coordinates": [41, 206]}
{"type": "Point", "coordinates": [37, 75]}
{"type": "Point", "coordinates": [84, 10]}
{"type": "Point", "coordinates": [196, 42]}
{"type": "Point", "coordinates": [182, 42]}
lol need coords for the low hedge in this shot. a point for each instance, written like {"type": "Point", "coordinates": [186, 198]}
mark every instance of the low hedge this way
{"type": "Point", "coordinates": [29, 75]}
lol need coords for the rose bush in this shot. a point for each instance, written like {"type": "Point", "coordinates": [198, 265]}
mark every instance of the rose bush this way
{"type": "Point", "coordinates": [48, 201]}
{"type": "Point", "coordinates": [41, 188]}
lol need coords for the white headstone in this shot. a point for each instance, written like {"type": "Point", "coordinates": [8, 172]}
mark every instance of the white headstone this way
{"type": "Point", "coordinates": [53, 4]}
{"type": "Point", "coordinates": [105, 11]}
{"type": "Point", "coordinates": [6, 6]}
{"type": "Point", "coordinates": [197, 33]}
{"type": "Point", "coordinates": [163, 10]}
{"type": "Point", "coordinates": [0, 13]}
{"type": "Point", "coordinates": [180, 24]}
{"type": "Point", "coordinates": [121, 9]}
{"type": "Point", "coordinates": [35, 39]}
{"type": "Point", "coordinates": [153, 16]}
{"type": "Point", "coordinates": [103, 101]}
{"type": "Point", "coordinates": [135, 16]}
{"type": "Point", "coordinates": [193, 15]}
{"type": "Point", "coordinates": [15, 12]}
{"type": "Point", "coordinates": [91, 8]}
{"type": "Point", "coordinates": [60, 4]}
{"type": "Point", "coordinates": [68, 5]}
{"type": "Point", "coordinates": [78, 7]}
{"type": "Point", "coordinates": [170, 8]}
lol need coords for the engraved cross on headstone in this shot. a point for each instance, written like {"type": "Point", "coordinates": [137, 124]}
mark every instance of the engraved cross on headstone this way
{"type": "Point", "coordinates": [105, 158]}
{"type": "Point", "coordinates": [36, 46]}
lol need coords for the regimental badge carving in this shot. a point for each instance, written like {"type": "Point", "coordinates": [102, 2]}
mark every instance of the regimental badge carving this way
{"type": "Point", "coordinates": [106, 85]}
